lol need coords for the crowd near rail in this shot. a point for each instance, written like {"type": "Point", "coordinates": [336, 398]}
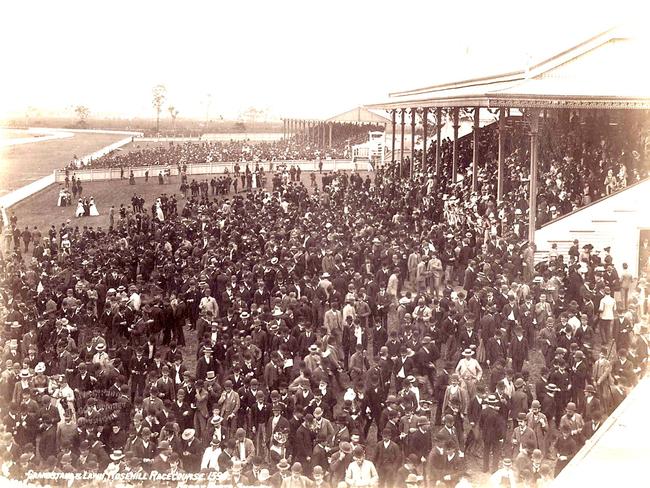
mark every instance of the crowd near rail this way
{"type": "Point", "coordinates": [582, 159]}
{"type": "Point", "coordinates": [329, 330]}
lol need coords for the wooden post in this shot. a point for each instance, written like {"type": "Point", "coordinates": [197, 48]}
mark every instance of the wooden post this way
{"type": "Point", "coordinates": [392, 147]}
{"type": "Point", "coordinates": [438, 142]}
{"type": "Point", "coordinates": [401, 148]}
{"type": "Point", "coordinates": [477, 112]}
{"type": "Point", "coordinates": [502, 139]}
{"type": "Point", "coordinates": [413, 111]}
{"type": "Point", "coordinates": [532, 198]}
{"type": "Point", "coordinates": [425, 124]}
{"type": "Point", "coordinates": [454, 161]}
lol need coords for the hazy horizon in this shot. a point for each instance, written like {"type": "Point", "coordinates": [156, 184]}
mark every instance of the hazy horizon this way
{"type": "Point", "coordinates": [290, 59]}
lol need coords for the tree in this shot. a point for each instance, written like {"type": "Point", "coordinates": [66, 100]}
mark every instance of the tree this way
{"type": "Point", "coordinates": [82, 113]}
{"type": "Point", "coordinates": [159, 96]}
{"type": "Point", "coordinates": [173, 114]}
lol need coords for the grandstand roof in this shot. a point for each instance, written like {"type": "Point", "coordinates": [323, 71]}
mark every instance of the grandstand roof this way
{"type": "Point", "coordinates": [605, 71]}
{"type": "Point", "coordinates": [360, 114]}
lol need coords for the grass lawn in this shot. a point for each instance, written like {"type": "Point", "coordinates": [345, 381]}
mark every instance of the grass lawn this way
{"type": "Point", "coordinates": [24, 163]}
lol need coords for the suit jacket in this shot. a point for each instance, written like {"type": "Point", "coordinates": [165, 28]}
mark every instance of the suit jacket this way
{"type": "Point", "coordinates": [469, 279]}
{"type": "Point", "coordinates": [425, 356]}
{"type": "Point", "coordinates": [202, 368]}
{"type": "Point", "coordinates": [388, 458]}
{"type": "Point", "coordinates": [407, 364]}
{"type": "Point", "coordinates": [495, 350]}
{"type": "Point", "coordinates": [492, 425]}
{"type": "Point", "coordinates": [249, 449]}
{"type": "Point", "coordinates": [229, 403]}
{"type": "Point", "coordinates": [282, 426]}
{"type": "Point", "coordinates": [589, 408]}
{"type": "Point", "coordinates": [303, 444]}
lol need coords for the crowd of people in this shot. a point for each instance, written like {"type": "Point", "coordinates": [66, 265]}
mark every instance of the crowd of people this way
{"type": "Point", "coordinates": [242, 151]}
{"type": "Point", "coordinates": [370, 332]}
{"type": "Point", "coordinates": [582, 158]}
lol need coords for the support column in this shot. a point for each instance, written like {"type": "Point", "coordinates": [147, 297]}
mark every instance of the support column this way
{"type": "Point", "coordinates": [532, 197]}
{"type": "Point", "coordinates": [401, 148]}
{"type": "Point", "coordinates": [392, 146]}
{"type": "Point", "coordinates": [425, 125]}
{"type": "Point", "coordinates": [477, 112]}
{"type": "Point", "coordinates": [454, 158]}
{"type": "Point", "coordinates": [438, 142]}
{"type": "Point", "coordinates": [330, 135]}
{"type": "Point", "coordinates": [502, 141]}
{"type": "Point", "coordinates": [413, 110]}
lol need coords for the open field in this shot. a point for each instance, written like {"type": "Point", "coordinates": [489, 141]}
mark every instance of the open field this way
{"type": "Point", "coordinates": [22, 164]}
{"type": "Point", "coordinates": [41, 209]}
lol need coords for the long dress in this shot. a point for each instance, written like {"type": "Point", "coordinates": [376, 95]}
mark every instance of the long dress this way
{"type": "Point", "coordinates": [159, 213]}
{"type": "Point", "coordinates": [93, 209]}
{"type": "Point", "coordinates": [80, 209]}
{"type": "Point", "coordinates": [59, 203]}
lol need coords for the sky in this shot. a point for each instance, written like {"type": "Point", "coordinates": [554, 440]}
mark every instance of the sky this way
{"type": "Point", "coordinates": [291, 58]}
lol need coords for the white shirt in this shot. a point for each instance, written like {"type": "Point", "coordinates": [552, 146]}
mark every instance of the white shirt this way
{"type": "Point", "coordinates": [607, 308]}
{"type": "Point", "coordinates": [364, 475]}
{"type": "Point", "coordinates": [211, 457]}
{"type": "Point", "coordinates": [136, 301]}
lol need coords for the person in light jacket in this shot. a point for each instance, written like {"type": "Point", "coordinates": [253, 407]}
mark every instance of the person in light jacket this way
{"type": "Point", "coordinates": [361, 472]}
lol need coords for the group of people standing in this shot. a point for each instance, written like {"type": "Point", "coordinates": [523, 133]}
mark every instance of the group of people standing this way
{"type": "Point", "coordinates": [346, 337]}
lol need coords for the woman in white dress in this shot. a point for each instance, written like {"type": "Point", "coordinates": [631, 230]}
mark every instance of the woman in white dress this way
{"type": "Point", "coordinates": [80, 209]}
{"type": "Point", "coordinates": [159, 212]}
{"type": "Point", "coordinates": [93, 208]}
{"type": "Point", "coordinates": [59, 203]}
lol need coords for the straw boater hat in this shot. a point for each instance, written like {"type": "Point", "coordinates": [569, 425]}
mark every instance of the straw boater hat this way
{"type": "Point", "coordinates": [468, 352]}
{"type": "Point", "coordinates": [117, 454]}
{"type": "Point", "coordinates": [100, 347]}
{"type": "Point", "coordinates": [188, 434]}
{"type": "Point", "coordinates": [283, 465]}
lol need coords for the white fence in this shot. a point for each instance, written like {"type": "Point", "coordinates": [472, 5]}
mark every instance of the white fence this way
{"type": "Point", "coordinates": [101, 174]}
{"type": "Point", "coordinates": [23, 192]}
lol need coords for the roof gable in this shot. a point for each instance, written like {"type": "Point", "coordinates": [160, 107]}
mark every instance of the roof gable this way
{"type": "Point", "coordinates": [359, 114]}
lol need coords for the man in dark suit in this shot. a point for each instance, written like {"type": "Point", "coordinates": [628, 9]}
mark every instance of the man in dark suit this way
{"type": "Point", "coordinates": [518, 349]}
{"type": "Point", "coordinates": [496, 348]}
{"type": "Point", "coordinates": [277, 423]}
{"type": "Point", "coordinates": [425, 360]}
{"type": "Point", "coordinates": [388, 459]}
{"type": "Point", "coordinates": [493, 430]}
{"type": "Point", "coordinates": [470, 277]}
{"type": "Point", "coordinates": [419, 442]}
{"type": "Point", "coordinates": [207, 363]}
{"type": "Point", "coordinates": [303, 445]}
{"type": "Point", "coordinates": [579, 374]}
{"type": "Point", "coordinates": [403, 367]}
